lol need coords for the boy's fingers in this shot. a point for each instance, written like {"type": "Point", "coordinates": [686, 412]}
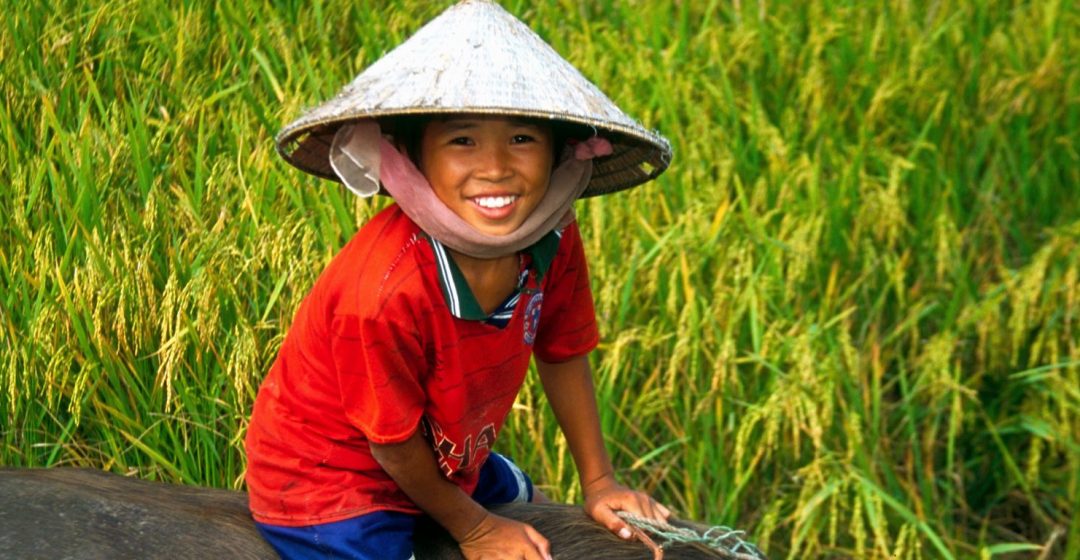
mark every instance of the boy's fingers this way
{"type": "Point", "coordinates": [643, 506]}
{"type": "Point", "coordinates": [608, 518]}
{"type": "Point", "coordinates": [542, 544]}
{"type": "Point", "coordinates": [659, 512]}
{"type": "Point", "coordinates": [653, 509]}
{"type": "Point", "coordinates": [649, 509]}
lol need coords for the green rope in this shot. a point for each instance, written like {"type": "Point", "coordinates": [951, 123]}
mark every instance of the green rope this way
{"type": "Point", "coordinates": [724, 540]}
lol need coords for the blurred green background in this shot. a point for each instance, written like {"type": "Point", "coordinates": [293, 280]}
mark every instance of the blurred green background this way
{"type": "Point", "coordinates": [845, 320]}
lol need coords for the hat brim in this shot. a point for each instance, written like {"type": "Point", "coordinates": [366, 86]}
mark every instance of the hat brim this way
{"type": "Point", "coordinates": [637, 157]}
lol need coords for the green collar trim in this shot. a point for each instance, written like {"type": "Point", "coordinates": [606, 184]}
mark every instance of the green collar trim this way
{"type": "Point", "coordinates": [456, 291]}
{"type": "Point", "coordinates": [543, 252]}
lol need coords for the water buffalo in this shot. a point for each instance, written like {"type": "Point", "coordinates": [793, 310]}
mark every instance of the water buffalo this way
{"type": "Point", "coordinates": [85, 513]}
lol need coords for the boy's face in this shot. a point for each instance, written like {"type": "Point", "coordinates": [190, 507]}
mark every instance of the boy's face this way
{"type": "Point", "coordinates": [491, 171]}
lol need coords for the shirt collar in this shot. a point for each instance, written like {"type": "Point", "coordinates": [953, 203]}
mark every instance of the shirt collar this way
{"type": "Point", "coordinates": [456, 292]}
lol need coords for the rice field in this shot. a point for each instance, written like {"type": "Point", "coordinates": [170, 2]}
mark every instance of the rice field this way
{"type": "Point", "coordinates": [847, 319]}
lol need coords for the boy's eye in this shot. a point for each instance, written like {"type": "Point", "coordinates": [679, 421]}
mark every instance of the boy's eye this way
{"type": "Point", "coordinates": [523, 138]}
{"type": "Point", "coordinates": [461, 141]}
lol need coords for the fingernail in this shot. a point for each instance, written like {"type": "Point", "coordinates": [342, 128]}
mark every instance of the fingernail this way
{"type": "Point", "coordinates": [625, 533]}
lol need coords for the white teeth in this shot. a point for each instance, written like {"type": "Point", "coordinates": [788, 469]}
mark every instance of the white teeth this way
{"type": "Point", "coordinates": [495, 201]}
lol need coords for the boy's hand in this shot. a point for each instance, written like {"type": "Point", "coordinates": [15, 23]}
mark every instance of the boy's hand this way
{"type": "Point", "coordinates": [605, 496]}
{"type": "Point", "coordinates": [497, 537]}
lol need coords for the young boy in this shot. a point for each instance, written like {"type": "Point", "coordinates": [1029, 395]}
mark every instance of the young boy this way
{"type": "Point", "coordinates": [404, 359]}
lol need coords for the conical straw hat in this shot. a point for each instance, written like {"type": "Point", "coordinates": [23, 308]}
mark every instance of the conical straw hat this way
{"type": "Point", "coordinates": [477, 58]}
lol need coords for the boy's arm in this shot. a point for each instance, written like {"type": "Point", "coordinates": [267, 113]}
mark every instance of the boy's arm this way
{"type": "Point", "coordinates": [570, 391]}
{"type": "Point", "coordinates": [480, 534]}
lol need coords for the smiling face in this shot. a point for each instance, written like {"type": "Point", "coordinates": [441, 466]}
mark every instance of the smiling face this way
{"type": "Point", "coordinates": [491, 171]}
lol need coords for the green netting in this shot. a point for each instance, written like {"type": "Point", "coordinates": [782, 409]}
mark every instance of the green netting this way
{"type": "Point", "coordinates": [726, 541]}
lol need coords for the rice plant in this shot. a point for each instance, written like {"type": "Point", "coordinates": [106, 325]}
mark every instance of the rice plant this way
{"type": "Point", "coordinates": [846, 319]}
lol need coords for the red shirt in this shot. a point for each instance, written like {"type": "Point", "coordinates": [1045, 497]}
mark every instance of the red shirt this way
{"type": "Point", "coordinates": [375, 349]}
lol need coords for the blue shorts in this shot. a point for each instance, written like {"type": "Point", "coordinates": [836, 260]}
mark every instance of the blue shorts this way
{"type": "Point", "coordinates": [388, 534]}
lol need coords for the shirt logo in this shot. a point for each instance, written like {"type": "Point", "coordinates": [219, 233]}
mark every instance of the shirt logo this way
{"type": "Point", "coordinates": [464, 457]}
{"type": "Point", "coordinates": [532, 317]}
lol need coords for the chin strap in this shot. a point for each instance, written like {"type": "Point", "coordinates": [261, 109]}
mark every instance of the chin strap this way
{"type": "Point", "coordinates": [359, 154]}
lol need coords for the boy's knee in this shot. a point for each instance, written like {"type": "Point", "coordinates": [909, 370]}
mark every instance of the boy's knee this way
{"type": "Point", "coordinates": [502, 482]}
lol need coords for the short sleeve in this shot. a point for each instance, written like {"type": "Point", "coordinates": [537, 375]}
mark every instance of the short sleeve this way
{"type": "Point", "coordinates": [379, 367]}
{"type": "Point", "coordinates": [567, 326]}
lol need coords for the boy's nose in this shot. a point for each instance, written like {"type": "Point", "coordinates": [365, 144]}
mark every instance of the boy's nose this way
{"type": "Point", "coordinates": [494, 164]}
